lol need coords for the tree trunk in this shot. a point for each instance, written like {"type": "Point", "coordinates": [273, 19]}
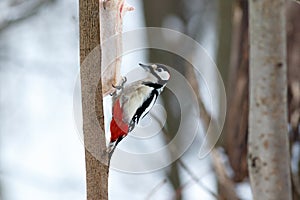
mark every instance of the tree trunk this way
{"type": "Point", "coordinates": [268, 147]}
{"type": "Point", "coordinates": [92, 104]}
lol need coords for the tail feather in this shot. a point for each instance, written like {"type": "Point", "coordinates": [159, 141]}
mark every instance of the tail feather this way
{"type": "Point", "coordinates": [118, 131]}
{"type": "Point", "coordinates": [112, 146]}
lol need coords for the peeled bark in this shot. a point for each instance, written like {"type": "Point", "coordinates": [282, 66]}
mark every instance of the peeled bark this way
{"type": "Point", "coordinates": [268, 147]}
{"type": "Point", "coordinates": [111, 25]}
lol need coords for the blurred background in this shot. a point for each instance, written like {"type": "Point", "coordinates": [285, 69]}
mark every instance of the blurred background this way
{"type": "Point", "coordinates": [41, 151]}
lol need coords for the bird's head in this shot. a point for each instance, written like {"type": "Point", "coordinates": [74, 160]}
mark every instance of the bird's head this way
{"type": "Point", "coordinates": [159, 72]}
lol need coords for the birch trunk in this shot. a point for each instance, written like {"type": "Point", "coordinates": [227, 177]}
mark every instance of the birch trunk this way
{"type": "Point", "coordinates": [268, 147]}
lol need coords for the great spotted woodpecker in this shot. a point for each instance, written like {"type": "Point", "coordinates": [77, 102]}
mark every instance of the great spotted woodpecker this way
{"type": "Point", "coordinates": [133, 102]}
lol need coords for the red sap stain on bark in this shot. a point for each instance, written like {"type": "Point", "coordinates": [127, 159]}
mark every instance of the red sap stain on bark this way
{"type": "Point", "coordinates": [121, 9]}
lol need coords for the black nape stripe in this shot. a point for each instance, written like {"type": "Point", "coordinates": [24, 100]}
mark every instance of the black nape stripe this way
{"type": "Point", "coordinates": [153, 85]}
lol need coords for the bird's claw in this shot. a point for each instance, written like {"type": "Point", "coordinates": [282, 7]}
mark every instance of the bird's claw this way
{"type": "Point", "coordinates": [113, 93]}
{"type": "Point", "coordinates": [124, 80]}
{"type": "Point", "coordinates": [119, 87]}
{"type": "Point", "coordinates": [105, 3]}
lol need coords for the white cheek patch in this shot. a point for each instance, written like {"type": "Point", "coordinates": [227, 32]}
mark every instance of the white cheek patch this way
{"type": "Point", "coordinates": [164, 75]}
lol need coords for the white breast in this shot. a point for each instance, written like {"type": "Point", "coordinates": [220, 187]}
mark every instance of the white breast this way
{"type": "Point", "coordinates": [132, 97]}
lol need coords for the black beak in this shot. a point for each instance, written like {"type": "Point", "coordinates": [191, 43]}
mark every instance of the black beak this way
{"type": "Point", "coordinates": [146, 67]}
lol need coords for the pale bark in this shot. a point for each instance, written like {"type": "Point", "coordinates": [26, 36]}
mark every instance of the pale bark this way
{"type": "Point", "coordinates": [268, 146]}
{"type": "Point", "coordinates": [111, 26]}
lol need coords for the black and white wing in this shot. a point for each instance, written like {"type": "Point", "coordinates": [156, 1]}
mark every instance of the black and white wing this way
{"type": "Point", "coordinates": [144, 109]}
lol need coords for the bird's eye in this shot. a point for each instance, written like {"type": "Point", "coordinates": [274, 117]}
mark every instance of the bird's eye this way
{"type": "Point", "coordinates": [159, 69]}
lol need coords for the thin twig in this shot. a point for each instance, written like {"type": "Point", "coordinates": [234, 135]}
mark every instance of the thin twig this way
{"type": "Point", "coordinates": [207, 119]}
{"type": "Point", "coordinates": [224, 180]}
{"type": "Point", "coordinates": [156, 188]}
{"type": "Point", "coordinates": [196, 179]}
{"type": "Point", "coordinates": [226, 183]}
{"type": "Point", "coordinates": [184, 166]}
{"type": "Point", "coordinates": [20, 12]}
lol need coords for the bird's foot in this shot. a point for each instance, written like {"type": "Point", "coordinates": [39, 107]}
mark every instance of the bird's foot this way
{"type": "Point", "coordinates": [119, 87]}
{"type": "Point", "coordinates": [111, 148]}
{"type": "Point", "coordinates": [104, 3]}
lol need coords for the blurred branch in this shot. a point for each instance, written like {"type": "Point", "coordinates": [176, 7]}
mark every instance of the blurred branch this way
{"type": "Point", "coordinates": [293, 63]}
{"type": "Point", "coordinates": [296, 185]}
{"type": "Point", "coordinates": [236, 123]}
{"type": "Point", "coordinates": [162, 10]}
{"type": "Point", "coordinates": [184, 166]}
{"type": "Point", "coordinates": [226, 188]}
{"type": "Point", "coordinates": [156, 188]}
{"type": "Point", "coordinates": [224, 37]}
{"type": "Point", "coordinates": [196, 179]}
{"type": "Point", "coordinates": [17, 12]}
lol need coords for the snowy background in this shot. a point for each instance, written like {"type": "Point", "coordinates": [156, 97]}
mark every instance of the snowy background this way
{"type": "Point", "coordinates": [41, 155]}
{"type": "Point", "coordinates": [41, 152]}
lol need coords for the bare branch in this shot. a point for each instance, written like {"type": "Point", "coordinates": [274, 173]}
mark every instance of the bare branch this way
{"type": "Point", "coordinates": [184, 166]}
{"type": "Point", "coordinates": [296, 183]}
{"type": "Point", "coordinates": [228, 188]}
{"type": "Point", "coordinates": [18, 12]}
{"type": "Point", "coordinates": [207, 119]}
{"type": "Point", "coordinates": [156, 188]}
{"type": "Point", "coordinates": [196, 179]}
{"type": "Point", "coordinates": [297, 0]}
